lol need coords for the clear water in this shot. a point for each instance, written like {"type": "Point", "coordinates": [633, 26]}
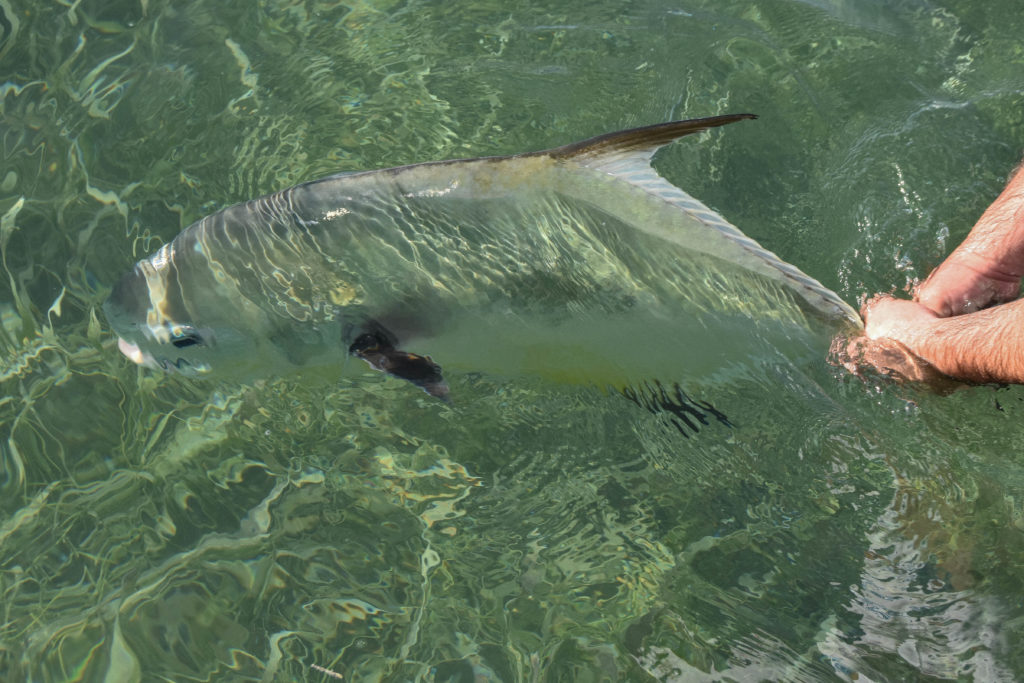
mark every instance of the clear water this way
{"type": "Point", "coordinates": [153, 528]}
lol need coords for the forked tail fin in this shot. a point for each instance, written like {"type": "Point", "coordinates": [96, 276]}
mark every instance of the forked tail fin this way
{"type": "Point", "coordinates": [627, 155]}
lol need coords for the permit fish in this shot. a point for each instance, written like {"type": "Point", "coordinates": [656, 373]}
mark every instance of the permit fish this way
{"type": "Point", "coordinates": [579, 263]}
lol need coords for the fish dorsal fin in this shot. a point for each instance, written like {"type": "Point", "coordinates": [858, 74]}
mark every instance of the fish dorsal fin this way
{"type": "Point", "coordinates": [636, 146]}
{"type": "Point", "coordinates": [627, 156]}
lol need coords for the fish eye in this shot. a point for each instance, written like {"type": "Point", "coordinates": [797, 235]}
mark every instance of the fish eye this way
{"type": "Point", "coordinates": [186, 337]}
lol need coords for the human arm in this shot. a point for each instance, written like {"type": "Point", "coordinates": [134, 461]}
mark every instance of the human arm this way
{"type": "Point", "coordinates": [956, 324]}
{"type": "Point", "coordinates": [986, 268]}
{"type": "Point", "coordinates": [984, 346]}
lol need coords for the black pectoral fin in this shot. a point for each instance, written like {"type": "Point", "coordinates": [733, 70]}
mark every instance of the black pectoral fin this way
{"type": "Point", "coordinates": [379, 354]}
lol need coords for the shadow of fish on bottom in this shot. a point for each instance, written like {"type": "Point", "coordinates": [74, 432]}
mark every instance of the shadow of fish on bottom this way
{"type": "Point", "coordinates": [685, 413]}
{"type": "Point", "coordinates": [578, 263]}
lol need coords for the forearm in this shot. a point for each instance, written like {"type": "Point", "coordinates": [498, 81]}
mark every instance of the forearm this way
{"type": "Point", "coordinates": [985, 346]}
{"type": "Point", "coordinates": [986, 268]}
{"type": "Point", "coordinates": [998, 236]}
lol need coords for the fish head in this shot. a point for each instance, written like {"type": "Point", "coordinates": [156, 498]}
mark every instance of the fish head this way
{"type": "Point", "coordinates": [156, 330]}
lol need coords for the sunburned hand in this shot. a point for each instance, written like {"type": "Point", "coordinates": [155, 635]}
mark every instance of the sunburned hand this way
{"type": "Point", "coordinates": [908, 322]}
{"type": "Point", "coordinates": [966, 282]}
{"type": "Point", "coordinates": [983, 346]}
{"type": "Point", "coordinates": [890, 345]}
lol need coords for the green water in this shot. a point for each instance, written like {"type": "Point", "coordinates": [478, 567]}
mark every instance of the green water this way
{"type": "Point", "coordinates": [153, 528]}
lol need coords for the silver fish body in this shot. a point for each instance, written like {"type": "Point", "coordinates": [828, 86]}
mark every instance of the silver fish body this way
{"type": "Point", "coordinates": [578, 262]}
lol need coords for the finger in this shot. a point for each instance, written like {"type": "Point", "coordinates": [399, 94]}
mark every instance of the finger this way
{"type": "Point", "coordinates": [939, 305]}
{"type": "Point", "coordinates": [925, 294]}
{"type": "Point", "coordinates": [870, 304]}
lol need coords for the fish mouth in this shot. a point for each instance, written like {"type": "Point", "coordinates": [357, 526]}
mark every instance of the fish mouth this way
{"type": "Point", "coordinates": [134, 353]}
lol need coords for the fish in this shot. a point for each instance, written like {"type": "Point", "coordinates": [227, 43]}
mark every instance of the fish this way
{"type": "Point", "coordinates": [579, 263]}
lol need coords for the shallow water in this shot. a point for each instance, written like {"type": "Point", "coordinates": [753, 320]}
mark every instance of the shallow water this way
{"type": "Point", "coordinates": [153, 528]}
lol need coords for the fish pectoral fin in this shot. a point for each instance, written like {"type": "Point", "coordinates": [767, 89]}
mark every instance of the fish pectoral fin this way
{"type": "Point", "coordinates": [379, 353]}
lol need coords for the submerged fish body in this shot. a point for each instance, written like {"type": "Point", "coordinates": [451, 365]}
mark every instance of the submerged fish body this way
{"type": "Point", "coordinates": [579, 263]}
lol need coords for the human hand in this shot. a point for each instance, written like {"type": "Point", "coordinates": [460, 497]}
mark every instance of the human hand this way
{"type": "Point", "coordinates": [964, 283]}
{"type": "Point", "coordinates": [895, 332]}
{"type": "Point", "coordinates": [908, 322]}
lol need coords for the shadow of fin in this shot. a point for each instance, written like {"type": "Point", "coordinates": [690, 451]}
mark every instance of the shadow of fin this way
{"type": "Point", "coordinates": [686, 414]}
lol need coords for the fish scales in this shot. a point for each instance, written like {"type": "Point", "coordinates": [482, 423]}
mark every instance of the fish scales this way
{"type": "Point", "coordinates": [520, 250]}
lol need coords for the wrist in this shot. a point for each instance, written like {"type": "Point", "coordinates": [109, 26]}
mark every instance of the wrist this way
{"type": "Point", "coordinates": [938, 342]}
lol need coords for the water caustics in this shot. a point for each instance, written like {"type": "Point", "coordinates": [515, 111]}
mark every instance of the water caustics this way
{"type": "Point", "coordinates": [332, 522]}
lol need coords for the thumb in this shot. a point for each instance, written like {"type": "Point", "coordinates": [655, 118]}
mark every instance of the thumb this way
{"type": "Point", "coordinates": [937, 303]}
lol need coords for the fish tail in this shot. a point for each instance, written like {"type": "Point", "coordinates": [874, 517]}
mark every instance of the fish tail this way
{"type": "Point", "coordinates": [626, 155]}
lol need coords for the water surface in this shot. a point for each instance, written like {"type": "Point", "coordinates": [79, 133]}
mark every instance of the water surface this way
{"type": "Point", "coordinates": [153, 528]}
